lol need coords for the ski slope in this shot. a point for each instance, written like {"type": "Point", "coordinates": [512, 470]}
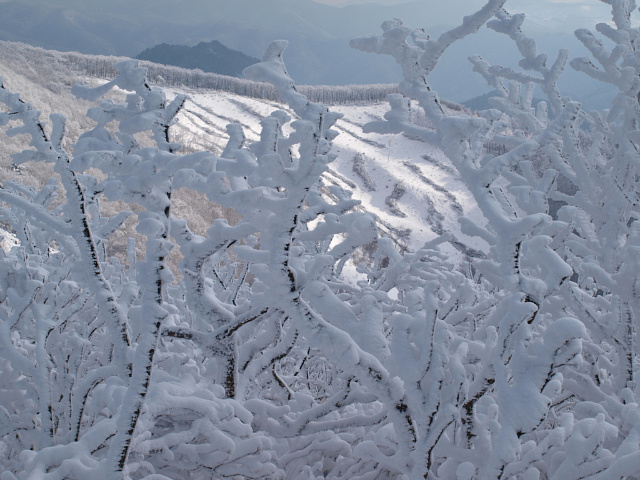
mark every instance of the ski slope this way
{"type": "Point", "coordinates": [410, 186]}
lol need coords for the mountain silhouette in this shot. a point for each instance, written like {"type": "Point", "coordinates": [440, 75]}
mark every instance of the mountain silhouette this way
{"type": "Point", "coordinates": [211, 57]}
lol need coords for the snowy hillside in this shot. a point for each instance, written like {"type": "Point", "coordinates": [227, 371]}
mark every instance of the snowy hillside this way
{"type": "Point", "coordinates": [411, 187]}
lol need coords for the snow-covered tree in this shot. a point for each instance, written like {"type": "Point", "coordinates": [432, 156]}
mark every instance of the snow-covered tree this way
{"type": "Point", "coordinates": [552, 392]}
{"type": "Point", "coordinates": [128, 374]}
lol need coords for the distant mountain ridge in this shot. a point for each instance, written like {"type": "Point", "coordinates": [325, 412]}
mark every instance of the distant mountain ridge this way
{"type": "Point", "coordinates": [212, 57]}
{"type": "Point", "coordinates": [318, 35]}
{"type": "Point", "coordinates": [481, 102]}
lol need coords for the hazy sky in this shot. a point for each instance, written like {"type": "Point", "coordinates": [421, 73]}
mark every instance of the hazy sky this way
{"type": "Point", "coordinates": [541, 14]}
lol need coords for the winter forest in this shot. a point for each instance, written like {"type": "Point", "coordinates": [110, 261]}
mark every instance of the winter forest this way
{"type": "Point", "coordinates": [296, 339]}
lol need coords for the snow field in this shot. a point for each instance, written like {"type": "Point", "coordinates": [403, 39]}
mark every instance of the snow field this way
{"type": "Point", "coordinates": [433, 198]}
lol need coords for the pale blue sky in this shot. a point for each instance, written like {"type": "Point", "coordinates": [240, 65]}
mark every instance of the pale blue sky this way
{"type": "Point", "coordinates": [541, 14]}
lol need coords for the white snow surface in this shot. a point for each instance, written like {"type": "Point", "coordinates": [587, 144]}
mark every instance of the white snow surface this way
{"type": "Point", "coordinates": [434, 197]}
{"type": "Point", "coordinates": [7, 240]}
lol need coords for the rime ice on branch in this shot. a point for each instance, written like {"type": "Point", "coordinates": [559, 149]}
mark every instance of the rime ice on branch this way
{"type": "Point", "coordinates": [553, 274]}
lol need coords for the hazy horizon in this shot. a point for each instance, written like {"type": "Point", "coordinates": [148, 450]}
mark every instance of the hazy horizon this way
{"type": "Point", "coordinates": [318, 34]}
{"type": "Point", "coordinates": [552, 15]}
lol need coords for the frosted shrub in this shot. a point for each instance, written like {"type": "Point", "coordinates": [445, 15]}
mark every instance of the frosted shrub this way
{"type": "Point", "coordinates": [558, 359]}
